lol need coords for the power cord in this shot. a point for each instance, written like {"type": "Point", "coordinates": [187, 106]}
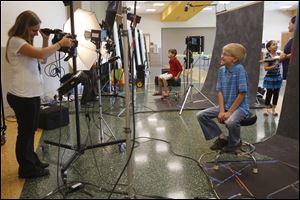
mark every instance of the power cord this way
{"type": "Point", "coordinates": [54, 68]}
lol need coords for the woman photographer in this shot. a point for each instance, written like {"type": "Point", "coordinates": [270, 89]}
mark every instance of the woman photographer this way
{"type": "Point", "coordinates": [26, 87]}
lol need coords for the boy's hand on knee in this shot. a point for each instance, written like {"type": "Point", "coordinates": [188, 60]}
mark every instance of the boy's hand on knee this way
{"type": "Point", "coordinates": [227, 115]}
{"type": "Point", "coordinates": [221, 117]}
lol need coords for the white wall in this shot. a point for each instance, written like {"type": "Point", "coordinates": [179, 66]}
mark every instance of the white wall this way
{"type": "Point", "coordinates": [99, 7]}
{"type": "Point", "coordinates": [275, 22]}
{"type": "Point", "coordinates": [151, 24]}
{"type": "Point", "coordinates": [53, 14]}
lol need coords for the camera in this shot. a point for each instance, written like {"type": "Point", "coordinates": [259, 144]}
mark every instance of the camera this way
{"type": "Point", "coordinates": [58, 35]}
{"type": "Point", "coordinates": [195, 43]}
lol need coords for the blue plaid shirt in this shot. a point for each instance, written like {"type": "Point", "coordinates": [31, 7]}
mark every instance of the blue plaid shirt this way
{"type": "Point", "coordinates": [231, 82]}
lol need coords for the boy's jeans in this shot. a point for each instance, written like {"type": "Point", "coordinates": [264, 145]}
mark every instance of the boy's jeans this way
{"type": "Point", "coordinates": [212, 130]}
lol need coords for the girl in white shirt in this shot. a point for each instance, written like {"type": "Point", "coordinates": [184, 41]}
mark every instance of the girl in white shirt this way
{"type": "Point", "coordinates": [26, 87]}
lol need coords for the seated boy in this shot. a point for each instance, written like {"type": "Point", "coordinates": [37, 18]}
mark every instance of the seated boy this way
{"type": "Point", "coordinates": [175, 71]}
{"type": "Point", "coordinates": [232, 88]}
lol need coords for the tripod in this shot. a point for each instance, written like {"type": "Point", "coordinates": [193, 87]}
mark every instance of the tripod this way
{"type": "Point", "coordinates": [101, 119]}
{"type": "Point", "coordinates": [191, 86]}
{"type": "Point", "coordinates": [78, 148]}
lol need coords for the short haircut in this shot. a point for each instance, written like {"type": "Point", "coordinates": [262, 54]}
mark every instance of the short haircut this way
{"type": "Point", "coordinates": [173, 51]}
{"type": "Point", "coordinates": [236, 50]}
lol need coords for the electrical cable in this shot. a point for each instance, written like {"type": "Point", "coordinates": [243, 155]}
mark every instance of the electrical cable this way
{"type": "Point", "coordinates": [185, 157]}
{"type": "Point", "coordinates": [54, 69]}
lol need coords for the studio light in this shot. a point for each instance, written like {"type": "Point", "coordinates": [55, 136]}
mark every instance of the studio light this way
{"type": "Point", "coordinates": [86, 50]}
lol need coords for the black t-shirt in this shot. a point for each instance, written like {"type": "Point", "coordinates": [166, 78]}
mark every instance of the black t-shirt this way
{"type": "Point", "coordinates": [287, 50]}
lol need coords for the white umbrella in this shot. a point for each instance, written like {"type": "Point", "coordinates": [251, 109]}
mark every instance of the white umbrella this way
{"type": "Point", "coordinates": [86, 50]}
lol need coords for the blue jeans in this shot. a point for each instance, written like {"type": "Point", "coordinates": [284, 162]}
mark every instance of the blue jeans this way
{"type": "Point", "coordinates": [211, 129]}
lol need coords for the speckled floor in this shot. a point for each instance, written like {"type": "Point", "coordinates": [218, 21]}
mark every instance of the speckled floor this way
{"type": "Point", "coordinates": [157, 171]}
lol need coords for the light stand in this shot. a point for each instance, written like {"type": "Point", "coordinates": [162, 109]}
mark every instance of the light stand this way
{"type": "Point", "coordinates": [100, 99]}
{"type": "Point", "coordinates": [191, 86]}
{"type": "Point", "coordinates": [79, 148]}
{"type": "Point", "coordinates": [127, 104]}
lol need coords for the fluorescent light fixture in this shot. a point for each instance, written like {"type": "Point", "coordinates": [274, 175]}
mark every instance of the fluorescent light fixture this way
{"type": "Point", "coordinates": [224, 2]}
{"type": "Point", "coordinates": [158, 4]}
{"type": "Point", "coordinates": [207, 8]}
{"type": "Point", "coordinates": [150, 10]}
{"type": "Point", "coordinates": [285, 7]}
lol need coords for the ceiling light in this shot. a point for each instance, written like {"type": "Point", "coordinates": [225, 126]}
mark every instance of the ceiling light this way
{"type": "Point", "coordinates": [285, 7]}
{"type": "Point", "coordinates": [224, 2]}
{"type": "Point", "coordinates": [150, 10]}
{"type": "Point", "coordinates": [207, 8]}
{"type": "Point", "coordinates": [158, 4]}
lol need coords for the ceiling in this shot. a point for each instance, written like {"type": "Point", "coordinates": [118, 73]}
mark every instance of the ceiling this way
{"type": "Point", "coordinates": [142, 6]}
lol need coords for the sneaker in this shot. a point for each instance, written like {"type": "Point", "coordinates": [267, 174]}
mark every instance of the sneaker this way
{"type": "Point", "coordinates": [34, 174]}
{"type": "Point", "coordinates": [219, 144]}
{"type": "Point", "coordinates": [43, 165]}
{"type": "Point", "coordinates": [229, 149]}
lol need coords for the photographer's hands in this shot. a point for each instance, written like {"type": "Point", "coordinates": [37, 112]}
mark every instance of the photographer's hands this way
{"type": "Point", "coordinates": [66, 41]}
{"type": "Point", "coordinates": [44, 36]}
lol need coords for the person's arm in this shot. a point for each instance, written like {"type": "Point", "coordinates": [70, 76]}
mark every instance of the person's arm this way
{"type": "Point", "coordinates": [284, 56]}
{"type": "Point", "coordinates": [45, 44]}
{"type": "Point", "coordinates": [237, 102]}
{"type": "Point", "coordinates": [222, 107]}
{"type": "Point", "coordinates": [179, 66]}
{"type": "Point", "coordinates": [243, 89]}
{"type": "Point", "coordinates": [234, 106]}
{"type": "Point", "coordinates": [42, 53]}
{"type": "Point", "coordinates": [268, 68]}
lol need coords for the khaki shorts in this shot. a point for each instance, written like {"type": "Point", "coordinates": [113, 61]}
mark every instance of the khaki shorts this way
{"type": "Point", "coordinates": [165, 76]}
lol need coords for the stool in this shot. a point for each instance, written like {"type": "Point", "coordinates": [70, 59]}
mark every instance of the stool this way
{"type": "Point", "coordinates": [246, 150]}
{"type": "Point", "coordinates": [165, 70]}
{"type": "Point", "coordinates": [171, 82]}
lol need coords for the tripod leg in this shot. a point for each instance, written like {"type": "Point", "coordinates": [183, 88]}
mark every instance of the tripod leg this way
{"type": "Point", "coordinates": [186, 96]}
{"type": "Point", "coordinates": [122, 111]}
{"type": "Point", "coordinates": [109, 128]}
{"type": "Point", "coordinates": [197, 89]}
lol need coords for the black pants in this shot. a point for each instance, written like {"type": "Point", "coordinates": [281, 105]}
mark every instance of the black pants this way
{"type": "Point", "coordinates": [270, 93]}
{"type": "Point", "coordinates": [27, 113]}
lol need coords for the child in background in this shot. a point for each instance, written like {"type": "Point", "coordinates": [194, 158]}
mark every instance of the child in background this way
{"type": "Point", "coordinates": [175, 71]}
{"type": "Point", "coordinates": [272, 80]}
